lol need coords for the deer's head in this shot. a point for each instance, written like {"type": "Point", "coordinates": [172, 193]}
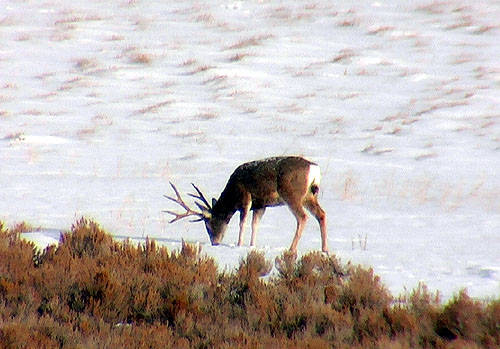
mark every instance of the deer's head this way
{"type": "Point", "coordinates": [215, 226]}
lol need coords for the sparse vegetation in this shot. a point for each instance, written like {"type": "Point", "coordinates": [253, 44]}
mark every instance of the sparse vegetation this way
{"type": "Point", "coordinates": [154, 108]}
{"type": "Point", "coordinates": [92, 291]}
{"type": "Point", "coordinates": [141, 58]}
{"type": "Point", "coordinates": [251, 41]}
{"type": "Point", "coordinates": [238, 57]}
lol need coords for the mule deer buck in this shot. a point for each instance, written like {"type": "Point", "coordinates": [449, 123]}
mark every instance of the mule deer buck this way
{"type": "Point", "coordinates": [292, 181]}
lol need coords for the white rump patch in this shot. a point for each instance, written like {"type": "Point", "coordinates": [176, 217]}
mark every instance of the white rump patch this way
{"type": "Point", "coordinates": [314, 176]}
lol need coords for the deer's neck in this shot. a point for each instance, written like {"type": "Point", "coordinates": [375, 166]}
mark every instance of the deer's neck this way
{"type": "Point", "coordinates": [226, 206]}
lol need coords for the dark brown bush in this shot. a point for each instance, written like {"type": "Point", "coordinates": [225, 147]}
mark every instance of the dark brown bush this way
{"type": "Point", "coordinates": [470, 320]}
{"type": "Point", "coordinates": [92, 291]}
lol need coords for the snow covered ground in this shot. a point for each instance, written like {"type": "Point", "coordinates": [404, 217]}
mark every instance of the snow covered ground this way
{"type": "Point", "coordinates": [102, 103]}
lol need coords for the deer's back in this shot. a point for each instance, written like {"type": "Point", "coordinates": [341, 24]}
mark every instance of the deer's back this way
{"type": "Point", "coordinates": [270, 179]}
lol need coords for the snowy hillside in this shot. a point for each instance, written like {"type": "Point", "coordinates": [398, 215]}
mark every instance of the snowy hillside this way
{"type": "Point", "coordinates": [102, 103]}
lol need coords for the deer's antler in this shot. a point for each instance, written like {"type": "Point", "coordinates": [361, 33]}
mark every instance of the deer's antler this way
{"type": "Point", "coordinates": [189, 211]}
{"type": "Point", "coordinates": [201, 197]}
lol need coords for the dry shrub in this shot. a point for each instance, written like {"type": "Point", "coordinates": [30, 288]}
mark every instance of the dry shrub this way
{"type": "Point", "coordinates": [87, 239]}
{"type": "Point", "coordinates": [253, 266]}
{"type": "Point", "coordinates": [464, 318]}
{"type": "Point", "coordinates": [492, 324]}
{"type": "Point", "coordinates": [92, 291]}
{"type": "Point", "coordinates": [418, 316]}
{"type": "Point", "coordinates": [141, 58]}
{"type": "Point", "coordinates": [367, 300]}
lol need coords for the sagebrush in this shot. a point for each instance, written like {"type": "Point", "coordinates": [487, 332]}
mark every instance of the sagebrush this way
{"type": "Point", "coordinates": [91, 291]}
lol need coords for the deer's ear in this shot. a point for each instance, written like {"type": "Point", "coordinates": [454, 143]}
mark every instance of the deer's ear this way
{"type": "Point", "coordinates": [214, 201]}
{"type": "Point", "coordinates": [206, 214]}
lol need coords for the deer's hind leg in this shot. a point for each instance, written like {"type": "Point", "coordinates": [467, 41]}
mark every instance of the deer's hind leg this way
{"type": "Point", "coordinates": [313, 206]}
{"type": "Point", "coordinates": [295, 201]}
{"type": "Point", "coordinates": [301, 217]}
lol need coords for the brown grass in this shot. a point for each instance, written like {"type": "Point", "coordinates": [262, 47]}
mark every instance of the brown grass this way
{"type": "Point", "coordinates": [238, 57]}
{"type": "Point", "coordinates": [154, 108]}
{"type": "Point", "coordinates": [206, 115]}
{"type": "Point", "coordinates": [251, 41]}
{"type": "Point", "coordinates": [141, 58]}
{"type": "Point", "coordinates": [217, 79]}
{"type": "Point", "coordinates": [86, 64]}
{"type": "Point", "coordinates": [441, 105]}
{"type": "Point", "coordinates": [200, 69]}
{"type": "Point", "coordinates": [380, 30]}
{"type": "Point", "coordinates": [92, 291]}
{"type": "Point", "coordinates": [345, 56]}
{"type": "Point", "coordinates": [205, 18]}
{"type": "Point", "coordinates": [486, 28]}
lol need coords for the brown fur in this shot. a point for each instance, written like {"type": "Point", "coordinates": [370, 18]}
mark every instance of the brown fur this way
{"type": "Point", "coordinates": [265, 183]}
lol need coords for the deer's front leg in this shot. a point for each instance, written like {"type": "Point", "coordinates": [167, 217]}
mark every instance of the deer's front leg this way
{"type": "Point", "coordinates": [257, 215]}
{"type": "Point", "coordinates": [244, 210]}
{"type": "Point", "coordinates": [243, 217]}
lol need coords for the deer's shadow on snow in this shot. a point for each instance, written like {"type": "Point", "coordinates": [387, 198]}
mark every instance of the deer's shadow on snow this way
{"type": "Point", "coordinates": [165, 240]}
